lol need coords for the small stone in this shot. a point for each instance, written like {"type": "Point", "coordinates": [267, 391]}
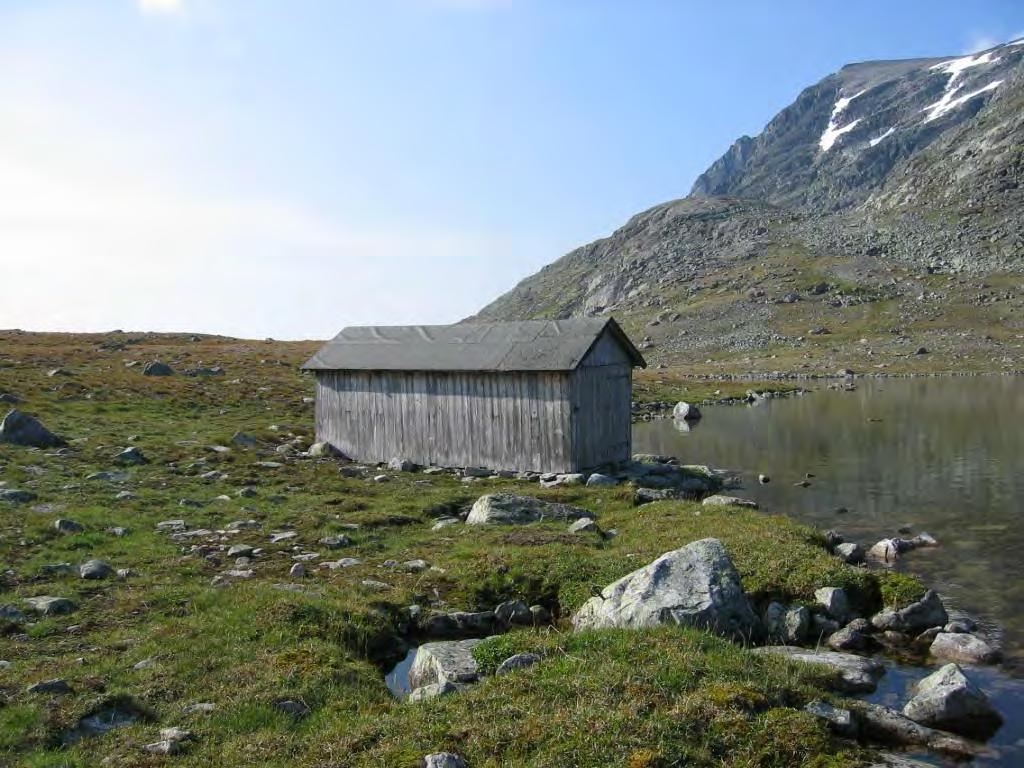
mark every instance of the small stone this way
{"type": "Point", "coordinates": [62, 525]}
{"type": "Point", "coordinates": [276, 538]}
{"type": "Point", "coordinates": [517, 662]}
{"type": "Point", "coordinates": [157, 368]}
{"type": "Point", "coordinates": [163, 747]}
{"type": "Point", "coordinates": [598, 480]}
{"type": "Point", "coordinates": [402, 465]}
{"type": "Point", "coordinates": [95, 569]}
{"type": "Point", "coordinates": [835, 602]}
{"type": "Point", "coordinates": [200, 708]}
{"type": "Point", "coordinates": [514, 612]}
{"type": "Point", "coordinates": [584, 525]}
{"type": "Point", "coordinates": [432, 691]}
{"type": "Point", "coordinates": [131, 456]}
{"type": "Point", "coordinates": [56, 686]}
{"type": "Point", "coordinates": [50, 606]}
{"type": "Point", "coordinates": [849, 552]}
{"type": "Point", "coordinates": [839, 721]}
{"type": "Point", "coordinates": [292, 707]}
{"type": "Point", "coordinates": [176, 734]}
{"type": "Point", "coordinates": [336, 542]}
{"type": "Point", "coordinates": [240, 550]}
{"type": "Point", "coordinates": [721, 500]}
{"type": "Point", "coordinates": [381, 479]}
{"type": "Point", "coordinates": [375, 585]}
{"type": "Point", "coordinates": [443, 760]}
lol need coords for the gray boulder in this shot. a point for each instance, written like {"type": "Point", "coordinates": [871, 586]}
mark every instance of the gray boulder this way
{"type": "Point", "coordinates": [597, 480]}
{"type": "Point", "coordinates": [16, 495]}
{"type": "Point", "coordinates": [839, 721]}
{"type": "Point", "coordinates": [433, 691]}
{"type": "Point", "coordinates": [63, 525]}
{"type": "Point", "coordinates": [925, 613]}
{"type": "Point", "coordinates": [854, 674]}
{"type": "Point", "coordinates": [95, 569]}
{"type": "Point", "coordinates": [584, 525]}
{"type": "Point", "coordinates": [517, 662]}
{"type": "Point", "coordinates": [446, 661]}
{"type": "Point", "coordinates": [509, 508]}
{"type": "Point", "coordinates": [721, 500]}
{"type": "Point", "coordinates": [157, 368]}
{"type": "Point", "coordinates": [697, 586]}
{"type": "Point", "coordinates": [514, 612]}
{"type": "Point", "coordinates": [686, 411]}
{"type": "Point", "coordinates": [443, 760]}
{"type": "Point", "coordinates": [963, 649]}
{"type": "Point", "coordinates": [131, 456]}
{"type": "Point", "coordinates": [18, 428]}
{"type": "Point", "coordinates": [891, 727]}
{"type": "Point", "coordinates": [402, 465]}
{"type": "Point", "coordinates": [947, 700]}
{"type": "Point", "coordinates": [835, 602]}
{"type": "Point", "coordinates": [47, 605]}
{"type": "Point", "coordinates": [850, 552]}
{"type": "Point", "coordinates": [789, 624]}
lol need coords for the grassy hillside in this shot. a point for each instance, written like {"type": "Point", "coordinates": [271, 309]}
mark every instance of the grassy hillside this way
{"type": "Point", "coordinates": [164, 638]}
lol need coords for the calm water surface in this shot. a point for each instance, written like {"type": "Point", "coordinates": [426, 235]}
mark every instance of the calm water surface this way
{"type": "Point", "coordinates": [944, 456]}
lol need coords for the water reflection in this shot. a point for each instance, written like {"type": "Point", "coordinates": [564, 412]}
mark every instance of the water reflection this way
{"type": "Point", "coordinates": [937, 455]}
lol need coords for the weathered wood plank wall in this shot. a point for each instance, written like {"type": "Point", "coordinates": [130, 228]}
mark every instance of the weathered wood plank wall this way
{"type": "Point", "coordinates": [517, 421]}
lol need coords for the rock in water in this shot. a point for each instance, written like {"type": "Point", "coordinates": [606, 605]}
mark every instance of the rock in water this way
{"type": "Point", "coordinates": [18, 428]}
{"type": "Point", "coordinates": [511, 509]}
{"type": "Point", "coordinates": [696, 586]}
{"type": "Point", "coordinates": [963, 648]}
{"type": "Point", "coordinates": [947, 700]}
{"type": "Point", "coordinates": [686, 411]}
{"type": "Point", "coordinates": [926, 613]}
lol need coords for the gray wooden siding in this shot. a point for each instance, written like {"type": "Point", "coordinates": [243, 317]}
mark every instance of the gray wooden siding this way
{"type": "Point", "coordinates": [517, 421]}
{"type": "Point", "coordinates": [601, 398]}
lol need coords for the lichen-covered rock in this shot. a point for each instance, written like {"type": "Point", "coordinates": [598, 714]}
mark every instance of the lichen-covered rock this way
{"type": "Point", "coordinates": [443, 760]}
{"type": "Point", "coordinates": [450, 661]}
{"type": "Point", "coordinates": [517, 662]}
{"type": "Point", "coordinates": [947, 700]}
{"type": "Point", "coordinates": [696, 585]}
{"type": "Point", "coordinates": [507, 508]}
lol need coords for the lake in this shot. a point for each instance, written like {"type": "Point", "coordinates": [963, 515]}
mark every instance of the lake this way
{"type": "Point", "coordinates": [942, 455]}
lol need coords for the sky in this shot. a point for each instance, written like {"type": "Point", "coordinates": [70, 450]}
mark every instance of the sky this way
{"type": "Point", "coordinates": [284, 168]}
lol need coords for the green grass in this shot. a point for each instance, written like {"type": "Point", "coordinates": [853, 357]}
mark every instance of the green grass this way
{"type": "Point", "coordinates": [646, 698]}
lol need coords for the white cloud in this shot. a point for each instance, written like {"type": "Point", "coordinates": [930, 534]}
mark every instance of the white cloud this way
{"type": "Point", "coordinates": [161, 6]}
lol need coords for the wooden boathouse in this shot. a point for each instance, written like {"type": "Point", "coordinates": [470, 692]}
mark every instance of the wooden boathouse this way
{"type": "Point", "coordinates": [541, 395]}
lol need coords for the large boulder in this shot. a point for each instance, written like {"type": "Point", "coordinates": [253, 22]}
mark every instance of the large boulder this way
{"type": "Point", "coordinates": [697, 586]}
{"type": "Point", "coordinates": [18, 428]}
{"type": "Point", "coordinates": [446, 661]}
{"type": "Point", "coordinates": [509, 508]}
{"type": "Point", "coordinates": [947, 700]}
{"type": "Point", "coordinates": [854, 674]}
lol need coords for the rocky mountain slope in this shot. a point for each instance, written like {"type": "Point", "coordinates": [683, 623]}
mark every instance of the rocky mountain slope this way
{"type": "Point", "coordinates": [878, 214]}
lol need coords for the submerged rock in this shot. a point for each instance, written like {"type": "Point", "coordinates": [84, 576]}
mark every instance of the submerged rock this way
{"type": "Point", "coordinates": [697, 586]}
{"type": "Point", "coordinates": [891, 727]}
{"type": "Point", "coordinates": [946, 699]}
{"type": "Point", "coordinates": [507, 508]}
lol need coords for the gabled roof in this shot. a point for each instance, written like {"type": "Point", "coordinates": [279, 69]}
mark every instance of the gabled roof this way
{"type": "Point", "coordinates": [530, 345]}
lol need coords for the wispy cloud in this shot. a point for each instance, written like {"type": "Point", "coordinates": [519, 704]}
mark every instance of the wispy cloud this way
{"type": "Point", "coordinates": [161, 6]}
{"type": "Point", "coordinates": [980, 41]}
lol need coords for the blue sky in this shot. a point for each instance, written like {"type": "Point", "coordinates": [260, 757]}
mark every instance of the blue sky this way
{"type": "Point", "coordinates": [284, 168]}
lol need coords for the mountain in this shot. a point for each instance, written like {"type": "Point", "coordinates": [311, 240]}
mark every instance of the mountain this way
{"type": "Point", "coordinates": [882, 208]}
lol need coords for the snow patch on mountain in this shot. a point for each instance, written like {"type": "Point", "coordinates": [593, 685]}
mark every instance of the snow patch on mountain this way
{"type": "Point", "coordinates": [833, 131]}
{"type": "Point", "coordinates": [947, 103]}
{"type": "Point", "coordinates": [878, 139]}
{"type": "Point", "coordinates": [956, 67]}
